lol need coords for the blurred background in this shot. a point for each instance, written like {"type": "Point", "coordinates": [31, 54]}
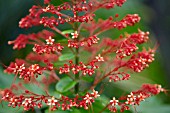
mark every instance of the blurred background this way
{"type": "Point", "coordinates": [155, 19]}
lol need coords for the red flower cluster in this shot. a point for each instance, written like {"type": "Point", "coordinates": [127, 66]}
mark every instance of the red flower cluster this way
{"type": "Point", "coordinates": [47, 48]}
{"type": "Point", "coordinates": [107, 57]}
{"type": "Point", "coordinates": [104, 25]}
{"type": "Point", "coordinates": [35, 100]}
{"type": "Point", "coordinates": [34, 18]}
{"type": "Point", "coordinates": [22, 40]}
{"type": "Point", "coordinates": [129, 44]}
{"type": "Point", "coordinates": [25, 73]}
{"type": "Point", "coordinates": [141, 60]}
{"type": "Point", "coordinates": [86, 69]}
{"type": "Point", "coordinates": [119, 76]}
{"type": "Point", "coordinates": [87, 41]}
{"type": "Point", "coordinates": [135, 97]}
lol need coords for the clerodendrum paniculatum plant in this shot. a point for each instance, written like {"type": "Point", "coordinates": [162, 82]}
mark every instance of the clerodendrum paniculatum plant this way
{"type": "Point", "coordinates": [80, 55]}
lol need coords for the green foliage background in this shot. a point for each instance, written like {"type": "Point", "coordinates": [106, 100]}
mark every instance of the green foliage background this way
{"type": "Point", "coordinates": [12, 11]}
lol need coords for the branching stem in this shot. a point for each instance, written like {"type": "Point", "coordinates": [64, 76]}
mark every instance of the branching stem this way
{"type": "Point", "coordinates": [77, 60]}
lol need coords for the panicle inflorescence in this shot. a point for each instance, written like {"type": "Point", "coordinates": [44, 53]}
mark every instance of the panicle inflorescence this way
{"type": "Point", "coordinates": [135, 97]}
{"type": "Point", "coordinates": [22, 40]}
{"type": "Point", "coordinates": [104, 57]}
{"type": "Point", "coordinates": [31, 100]}
{"type": "Point", "coordinates": [85, 68]}
{"type": "Point", "coordinates": [129, 45]}
{"type": "Point", "coordinates": [140, 61]}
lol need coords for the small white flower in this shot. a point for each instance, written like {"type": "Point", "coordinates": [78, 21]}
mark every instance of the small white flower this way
{"type": "Point", "coordinates": [88, 98]}
{"type": "Point", "coordinates": [50, 41]}
{"type": "Point", "coordinates": [160, 88]}
{"type": "Point", "coordinates": [46, 9]}
{"type": "Point", "coordinates": [129, 101]}
{"type": "Point", "coordinates": [141, 97]}
{"type": "Point", "coordinates": [95, 94]}
{"type": "Point", "coordinates": [133, 97]}
{"type": "Point", "coordinates": [99, 58]}
{"type": "Point", "coordinates": [52, 101]}
{"type": "Point", "coordinates": [114, 102]}
{"type": "Point", "coordinates": [75, 35]}
{"type": "Point", "coordinates": [34, 67]}
{"type": "Point", "coordinates": [27, 101]}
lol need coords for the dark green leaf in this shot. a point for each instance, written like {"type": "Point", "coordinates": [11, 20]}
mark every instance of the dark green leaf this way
{"type": "Point", "coordinates": [65, 84]}
{"type": "Point", "coordinates": [88, 78]}
{"type": "Point", "coordinates": [58, 2]}
{"type": "Point", "coordinates": [62, 41]}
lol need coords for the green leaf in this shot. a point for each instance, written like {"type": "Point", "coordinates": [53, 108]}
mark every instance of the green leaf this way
{"type": "Point", "coordinates": [5, 79]}
{"type": "Point", "coordinates": [68, 31]}
{"type": "Point", "coordinates": [103, 99]}
{"type": "Point", "coordinates": [65, 84]}
{"type": "Point", "coordinates": [4, 108]}
{"type": "Point", "coordinates": [35, 88]}
{"type": "Point", "coordinates": [66, 56]}
{"type": "Point", "coordinates": [58, 2]}
{"type": "Point", "coordinates": [75, 111]}
{"type": "Point", "coordinates": [88, 78]}
{"type": "Point", "coordinates": [72, 110]}
{"type": "Point", "coordinates": [56, 94]}
{"type": "Point", "coordinates": [62, 41]}
{"type": "Point", "coordinates": [59, 63]}
{"type": "Point", "coordinates": [57, 111]}
{"type": "Point", "coordinates": [153, 105]}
